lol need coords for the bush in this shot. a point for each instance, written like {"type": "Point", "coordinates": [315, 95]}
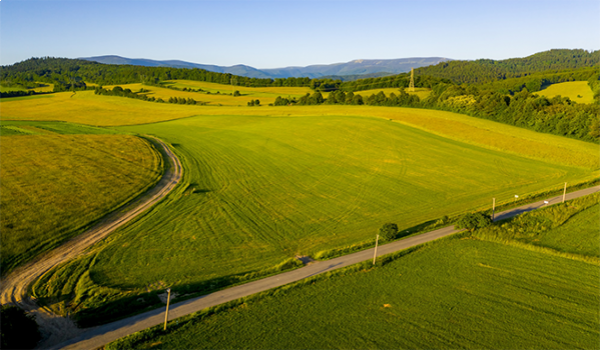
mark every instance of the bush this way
{"type": "Point", "coordinates": [388, 231]}
{"type": "Point", "coordinates": [18, 330]}
{"type": "Point", "coordinates": [473, 221]}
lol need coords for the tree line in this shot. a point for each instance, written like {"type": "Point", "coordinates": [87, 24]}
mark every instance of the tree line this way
{"type": "Point", "coordinates": [557, 115]}
{"type": "Point", "coordinates": [70, 74]}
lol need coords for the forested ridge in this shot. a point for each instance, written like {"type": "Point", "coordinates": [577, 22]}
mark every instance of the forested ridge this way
{"type": "Point", "coordinates": [67, 74]}
{"type": "Point", "coordinates": [502, 91]}
{"type": "Point", "coordinates": [486, 70]}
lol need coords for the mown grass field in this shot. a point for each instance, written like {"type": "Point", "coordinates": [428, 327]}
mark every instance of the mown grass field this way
{"type": "Point", "coordinates": [459, 292]}
{"type": "Point", "coordinates": [55, 182]}
{"type": "Point", "coordinates": [265, 189]}
{"type": "Point", "coordinates": [578, 91]}
{"type": "Point", "coordinates": [259, 190]}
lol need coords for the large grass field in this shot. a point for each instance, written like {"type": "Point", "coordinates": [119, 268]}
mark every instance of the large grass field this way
{"type": "Point", "coordinates": [55, 182]}
{"type": "Point", "coordinates": [264, 184]}
{"type": "Point", "coordinates": [459, 292]}
{"type": "Point", "coordinates": [259, 190]}
{"type": "Point", "coordinates": [578, 91]}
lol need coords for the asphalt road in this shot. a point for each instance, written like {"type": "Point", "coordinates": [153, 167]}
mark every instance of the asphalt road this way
{"type": "Point", "coordinates": [101, 335]}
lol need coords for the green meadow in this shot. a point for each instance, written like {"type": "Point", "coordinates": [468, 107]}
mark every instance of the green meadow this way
{"type": "Point", "coordinates": [460, 292]}
{"type": "Point", "coordinates": [578, 91]}
{"type": "Point", "coordinates": [57, 178]}
{"type": "Point", "coordinates": [260, 190]}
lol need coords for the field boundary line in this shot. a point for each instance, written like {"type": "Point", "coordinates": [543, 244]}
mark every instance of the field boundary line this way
{"type": "Point", "coordinates": [99, 336]}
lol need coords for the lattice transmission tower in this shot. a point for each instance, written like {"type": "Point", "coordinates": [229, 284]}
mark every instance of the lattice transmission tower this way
{"type": "Point", "coordinates": [411, 85]}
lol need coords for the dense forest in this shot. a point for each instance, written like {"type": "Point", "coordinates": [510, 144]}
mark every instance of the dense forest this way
{"type": "Point", "coordinates": [485, 70]}
{"type": "Point", "coordinates": [503, 91]}
{"type": "Point", "coordinates": [69, 74]}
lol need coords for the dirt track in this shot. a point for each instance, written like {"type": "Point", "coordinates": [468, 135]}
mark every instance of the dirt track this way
{"type": "Point", "coordinates": [14, 287]}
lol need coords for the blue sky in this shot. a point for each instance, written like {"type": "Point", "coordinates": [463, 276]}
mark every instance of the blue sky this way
{"type": "Point", "coordinates": [271, 34]}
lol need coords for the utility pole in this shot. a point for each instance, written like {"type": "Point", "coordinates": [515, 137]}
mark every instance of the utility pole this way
{"type": "Point", "coordinates": [411, 86]}
{"type": "Point", "coordinates": [565, 192]}
{"type": "Point", "coordinates": [375, 254]}
{"type": "Point", "coordinates": [167, 312]}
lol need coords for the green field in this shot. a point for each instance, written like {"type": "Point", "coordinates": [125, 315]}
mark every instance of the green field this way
{"type": "Point", "coordinates": [55, 183]}
{"type": "Point", "coordinates": [578, 91]}
{"type": "Point", "coordinates": [459, 292]}
{"type": "Point", "coordinates": [262, 185]}
{"type": "Point", "coordinates": [259, 190]}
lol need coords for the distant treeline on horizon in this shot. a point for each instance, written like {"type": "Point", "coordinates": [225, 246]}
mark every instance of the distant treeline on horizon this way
{"type": "Point", "coordinates": [496, 90]}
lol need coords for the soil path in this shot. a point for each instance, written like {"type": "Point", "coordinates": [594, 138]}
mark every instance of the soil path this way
{"type": "Point", "coordinates": [14, 287]}
{"type": "Point", "coordinates": [98, 336]}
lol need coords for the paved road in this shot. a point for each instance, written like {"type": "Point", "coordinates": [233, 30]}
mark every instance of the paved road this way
{"type": "Point", "coordinates": [101, 335]}
{"type": "Point", "coordinates": [14, 287]}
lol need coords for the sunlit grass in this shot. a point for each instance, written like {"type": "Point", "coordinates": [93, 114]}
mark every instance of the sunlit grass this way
{"type": "Point", "coordinates": [421, 92]}
{"type": "Point", "coordinates": [578, 91]}
{"type": "Point", "coordinates": [260, 190]}
{"type": "Point", "coordinates": [54, 185]}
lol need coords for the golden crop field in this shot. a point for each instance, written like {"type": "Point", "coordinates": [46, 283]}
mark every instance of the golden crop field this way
{"type": "Point", "coordinates": [421, 92]}
{"type": "Point", "coordinates": [85, 107]}
{"type": "Point", "coordinates": [578, 91]}
{"type": "Point", "coordinates": [54, 185]}
{"type": "Point", "coordinates": [220, 95]}
{"type": "Point", "coordinates": [214, 87]}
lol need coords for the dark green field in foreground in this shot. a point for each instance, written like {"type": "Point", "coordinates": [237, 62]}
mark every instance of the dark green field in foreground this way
{"type": "Point", "coordinates": [460, 292]}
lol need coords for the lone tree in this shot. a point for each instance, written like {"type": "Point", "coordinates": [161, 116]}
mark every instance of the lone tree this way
{"type": "Point", "coordinates": [472, 221]}
{"type": "Point", "coordinates": [388, 231]}
{"type": "Point", "coordinates": [19, 330]}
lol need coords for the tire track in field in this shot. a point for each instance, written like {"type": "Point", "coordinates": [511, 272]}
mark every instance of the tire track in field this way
{"type": "Point", "coordinates": [15, 286]}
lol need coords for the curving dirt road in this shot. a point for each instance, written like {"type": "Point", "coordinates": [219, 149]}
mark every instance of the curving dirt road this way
{"type": "Point", "coordinates": [14, 287]}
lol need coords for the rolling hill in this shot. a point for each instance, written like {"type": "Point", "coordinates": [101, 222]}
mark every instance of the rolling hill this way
{"type": "Point", "coordinates": [355, 67]}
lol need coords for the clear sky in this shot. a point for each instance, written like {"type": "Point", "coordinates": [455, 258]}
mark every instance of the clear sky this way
{"type": "Point", "coordinates": [272, 34]}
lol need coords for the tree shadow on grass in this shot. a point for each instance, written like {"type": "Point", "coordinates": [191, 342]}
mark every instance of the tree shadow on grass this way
{"type": "Point", "coordinates": [127, 306]}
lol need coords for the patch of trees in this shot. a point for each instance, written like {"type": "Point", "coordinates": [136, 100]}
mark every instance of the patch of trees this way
{"type": "Point", "coordinates": [473, 221]}
{"type": "Point", "coordinates": [388, 232]}
{"type": "Point", "coordinates": [17, 93]}
{"type": "Point", "coordinates": [18, 329]}
{"type": "Point", "coordinates": [254, 103]}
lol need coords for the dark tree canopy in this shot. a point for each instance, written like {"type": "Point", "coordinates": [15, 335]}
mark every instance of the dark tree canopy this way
{"type": "Point", "coordinates": [18, 330]}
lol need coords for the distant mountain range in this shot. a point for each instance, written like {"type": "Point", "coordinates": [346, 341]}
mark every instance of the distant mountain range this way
{"type": "Point", "coordinates": [372, 68]}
